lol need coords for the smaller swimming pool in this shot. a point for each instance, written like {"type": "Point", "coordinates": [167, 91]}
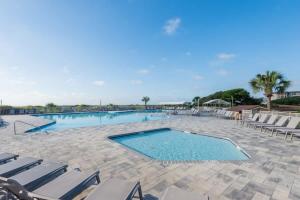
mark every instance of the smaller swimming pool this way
{"type": "Point", "coordinates": [173, 145]}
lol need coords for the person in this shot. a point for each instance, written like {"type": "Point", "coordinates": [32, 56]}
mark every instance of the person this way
{"type": "Point", "coordinates": [238, 116]}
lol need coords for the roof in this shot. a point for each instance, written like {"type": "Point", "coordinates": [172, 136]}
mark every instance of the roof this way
{"type": "Point", "coordinates": [216, 102]}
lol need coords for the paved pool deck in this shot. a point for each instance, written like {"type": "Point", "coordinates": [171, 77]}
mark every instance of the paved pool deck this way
{"type": "Point", "coordinates": [273, 172]}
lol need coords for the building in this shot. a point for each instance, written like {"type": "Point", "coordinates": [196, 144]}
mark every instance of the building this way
{"type": "Point", "coordinates": [286, 94]}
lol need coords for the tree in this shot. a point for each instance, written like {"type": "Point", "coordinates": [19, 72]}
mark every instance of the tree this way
{"type": "Point", "coordinates": [145, 99]}
{"type": "Point", "coordinates": [287, 101]}
{"type": "Point", "coordinates": [195, 100]}
{"type": "Point", "coordinates": [51, 107]}
{"type": "Point", "coordinates": [271, 82]}
{"type": "Point", "coordinates": [239, 95]}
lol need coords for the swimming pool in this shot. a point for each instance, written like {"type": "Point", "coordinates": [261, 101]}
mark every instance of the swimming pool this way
{"type": "Point", "coordinates": [173, 145]}
{"type": "Point", "coordinates": [75, 120]}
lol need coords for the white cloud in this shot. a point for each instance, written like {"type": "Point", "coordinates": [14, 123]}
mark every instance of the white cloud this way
{"type": "Point", "coordinates": [98, 83]}
{"type": "Point", "coordinates": [226, 56]}
{"type": "Point", "coordinates": [172, 25]}
{"type": "Point", "coordinates": [136, 82]}
{"type": "Point", "coordinates": [222, 72]}
{"type": "Point", "coordinates": [143, 71]}
{"type": "Point", "coordinates": [222, 58]}
{"type": "Point", "coordinates": [198, 77]}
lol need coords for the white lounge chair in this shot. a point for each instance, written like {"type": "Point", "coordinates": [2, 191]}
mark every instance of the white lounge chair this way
{"type": "Point", "coordinates": [280, 123]}
{"type": "Point", "coordinates": [253, 119]}
{"type": "Point", "coordinates": [262, 119]}
{"type": "Point", "coordinates": [290, 128]}
{"type": "Point", "coordinates": [271, 121]}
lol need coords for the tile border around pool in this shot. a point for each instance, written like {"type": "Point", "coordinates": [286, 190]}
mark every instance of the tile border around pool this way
{"type": "Point", "coordinates": [110, 138]}
{"type": "Point", "coordinates": [35, 129]}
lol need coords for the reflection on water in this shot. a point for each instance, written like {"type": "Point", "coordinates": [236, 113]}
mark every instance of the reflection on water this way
{"type": "Point", "coordinates": [73, 120]}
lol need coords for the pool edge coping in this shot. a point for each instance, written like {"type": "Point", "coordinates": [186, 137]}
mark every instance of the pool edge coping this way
{"type": "Point", "coordinates": [110, 138]}
{"type": "Point", "coordinates": [39, 128]}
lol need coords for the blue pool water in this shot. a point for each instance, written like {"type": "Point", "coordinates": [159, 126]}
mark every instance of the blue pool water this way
{"type": "Point", "coordinates": [75, 120]}
{"type": "Point", "coordinates": [168, 144]}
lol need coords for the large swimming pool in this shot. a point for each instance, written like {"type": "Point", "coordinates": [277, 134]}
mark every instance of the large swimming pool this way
{"type": "Point", "coordinates": [173, 145]}
{"type": "Point", "coordinates": [75, 120]}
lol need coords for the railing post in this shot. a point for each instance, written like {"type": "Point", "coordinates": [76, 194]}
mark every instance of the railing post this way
{"type": "Point", "coordinates": [15, 127]}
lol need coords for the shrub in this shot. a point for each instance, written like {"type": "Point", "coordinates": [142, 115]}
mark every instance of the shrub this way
{"type": "Point", "coordinates": [287, 101]}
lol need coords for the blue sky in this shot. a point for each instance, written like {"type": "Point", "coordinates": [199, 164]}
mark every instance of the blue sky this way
{"type": "Point", "coordinates": [77, 52]}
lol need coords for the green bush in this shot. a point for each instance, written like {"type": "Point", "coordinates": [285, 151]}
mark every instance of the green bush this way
{"type": "Point", "coordinates": [287, 101]}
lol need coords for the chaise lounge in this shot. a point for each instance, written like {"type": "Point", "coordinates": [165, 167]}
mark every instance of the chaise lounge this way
{"type": "Point", "coordinates": [271, 121]}
{"type": "Point", "coordinates": [280, 123]}
{"type": "Point", "coordinates": [290, 128]}
{"type": "Point", "coordinates": [262, 119]}
{"type": "Point", "coordinates": [32, 179]}
{"type": "Point", "coordinates": [253, 119]}
{"type": "Point", "coordinates": [16, 166]}
{"type": "Point", "coordinates": [5, 157]}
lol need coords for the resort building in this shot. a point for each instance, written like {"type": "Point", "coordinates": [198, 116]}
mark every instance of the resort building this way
{"type": "Point", "coordinates": [286, 94]}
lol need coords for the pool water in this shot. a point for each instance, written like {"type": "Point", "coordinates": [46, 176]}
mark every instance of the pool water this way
{"type": "Point", "coordinates": [173, 145]}
{"type": "Point", "coordinates": [75, 120]}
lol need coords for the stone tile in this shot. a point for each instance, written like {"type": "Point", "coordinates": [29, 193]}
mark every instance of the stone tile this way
{"type": "Point", "coordinates": [273, 171]}
{"type": "Point", "coordinates": [260, 196]}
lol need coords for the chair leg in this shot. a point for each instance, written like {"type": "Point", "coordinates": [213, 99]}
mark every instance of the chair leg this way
{"type": "Point", "coordinates": [140, 192]}
{"type": "Point", "coordinates": [98, 179]}
{"type": "Point", "coordinates": [286, 133]}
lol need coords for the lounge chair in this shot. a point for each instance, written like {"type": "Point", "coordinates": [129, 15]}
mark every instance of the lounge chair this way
{"type": "Point", "coordinates": [295, 132]}
{"type": "Point", "coordinates": [1, 121]}
{"type": "Point", "coordinates": [253, 119]}
{"type": "Point", "coordinates": [221, 113]}
{"type": "Point", "coordinates": [280, 123]}
{"type": "Point", "coordinates": [36, 176]}
{"type": "Point", "coordinates": [262, 119]}
{"type": "Point", "coordinates": [66, 186]}
{"type": "Point", "coordinates": [116, 189]}
{"type": "Point", "coordinates": [174, 193]}
{"type": "Point", "coordinates": [5, 157]}
{"type": "Point", "coordinates": [16, 166]}
{"type": "Point", "coordinates": [229, 115]}
{"type": "Point", "coordinates": [271, 121]}
{"type": "Point", "coordinates": [290, 128]}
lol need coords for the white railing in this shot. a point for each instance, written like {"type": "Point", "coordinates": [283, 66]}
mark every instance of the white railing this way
{"type": "Point", "coordinates": [22, 122]}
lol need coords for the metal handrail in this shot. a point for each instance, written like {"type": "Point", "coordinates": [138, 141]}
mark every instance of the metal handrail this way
{"type": "Point", "coordinates": [23, 123]}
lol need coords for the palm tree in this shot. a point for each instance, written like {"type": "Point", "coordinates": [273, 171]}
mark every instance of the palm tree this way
{"type": "Point", "coordinates": [146, 99]}
{"type": "Point", "coordinates": [271, 82]}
